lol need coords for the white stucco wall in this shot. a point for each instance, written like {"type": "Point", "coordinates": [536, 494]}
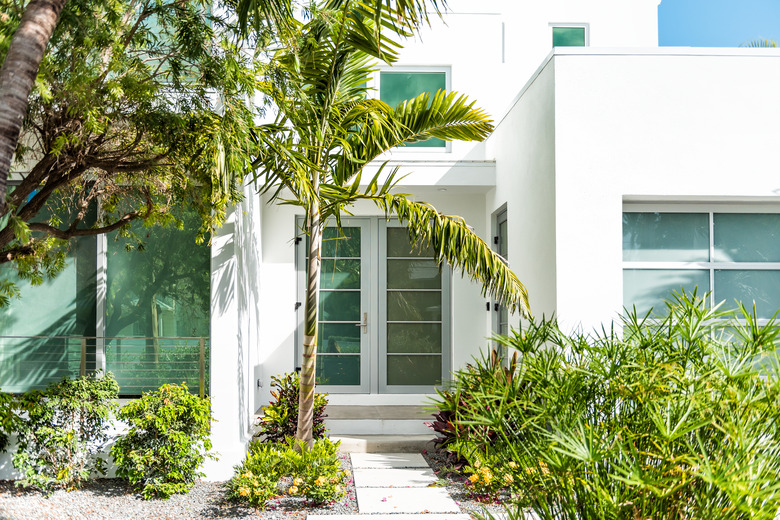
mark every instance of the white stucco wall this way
{"type": "Point", "coordinates": [658, 125]}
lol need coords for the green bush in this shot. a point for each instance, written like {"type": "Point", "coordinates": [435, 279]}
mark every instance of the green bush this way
{"type": "Point", "coordinates": [9, 418]}
{"type": "Point", "coordinates": [63, 431]}
{"type": "Point", "coordinates": [273, 469]}
{"type": "Point", "coordinates": [671, 417]}
{"type": "Point", "coordinates": [167, 441]}
{"type": "Point", "coordinates": [280, 418]}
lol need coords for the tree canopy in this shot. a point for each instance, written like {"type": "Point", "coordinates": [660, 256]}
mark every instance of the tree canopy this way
{"type": "Point", "coordinates": [139, 105]}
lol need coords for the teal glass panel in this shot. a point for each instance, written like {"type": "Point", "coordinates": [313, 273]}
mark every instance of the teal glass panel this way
{"type": "Point", "coordinates": [344, 243]}
{"type": "Point", "coordinates": [413, 274]}
{"type": "Point", "coordinates": [414, 337]}
{"type": "Point", "coordinates": [339, 338]}
{"type": "Point", "coordinates": [502, 240]}
{"type": "Point", "coordinates": [413, 306]}
{"type": "Point", "coordinates": [340, 274]}
{"type": "Point", "coordinates": [568, 36]}
{"type": "Point", "coordinates": [761, 287]}
{"type": "Point", "coordinates": [751, 237]}
{"type": "Point", "coordinates": [666, 237]}
{"type": "Point", "coordinates": [396, 87]}
{"type": "Point", "coordinates": [160, 286]}
{"type": "Point", "coordinates": [398, 245]}
{"type": "Point", "coordinates": [413, 370]}
{"type": "Point", "coordinates": [338, 370]}
{"type": "Point", "coordinates": [648, 288]}
{"type": "Point", "coordinates": [339, 306]}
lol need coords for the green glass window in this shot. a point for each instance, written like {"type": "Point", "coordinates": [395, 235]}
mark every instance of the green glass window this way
{"type": "Point", "coordinates": [395, 87]}
{"type": "Point", "coordinates": [658, 237]}
{"type": "Point", "coordinates": [568, 36]}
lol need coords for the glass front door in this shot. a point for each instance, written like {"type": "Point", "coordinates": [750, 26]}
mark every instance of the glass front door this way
{"type": "Point", "coordinates": [384, 310]}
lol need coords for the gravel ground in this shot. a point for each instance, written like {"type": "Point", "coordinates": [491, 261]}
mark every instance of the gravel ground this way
{"type": "Point", "coordinates": [111, 499]}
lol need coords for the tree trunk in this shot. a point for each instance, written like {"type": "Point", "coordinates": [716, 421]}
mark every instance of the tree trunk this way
{"type": "Point", "coordinates": [304, 432]}
{"type": "Point", "coordinates": [18, 74]}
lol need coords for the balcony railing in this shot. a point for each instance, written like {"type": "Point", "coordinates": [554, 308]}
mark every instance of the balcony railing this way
{"type": "Point", "coordinates": [138, 363]}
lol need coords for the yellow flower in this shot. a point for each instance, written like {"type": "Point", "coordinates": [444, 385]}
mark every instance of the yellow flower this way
{"type": "Point", "coordinates": [293, 490]}
{"type": "Point", "coordinates": [474, 477]}
{"type": "Point", "coordinates": [320, 481]}
{"type": "Point", "coordinates": [484, 471]}
{"type": "Point", "coordinates": [487, 477]}
{"type": "Point", "coordinates": [297, 481]}
{"type": "Point", "coordinates": [477, 464]}
{"type": "Point", "coordinates": [338, 489]}
{"type": "Point", "coordinates": [512, 464]}
{"type": "Point", "coordinates": [508, 478]}
{"type": "Point", "coordinates": [244, 492]}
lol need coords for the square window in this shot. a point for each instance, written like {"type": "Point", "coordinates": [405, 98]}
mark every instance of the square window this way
{"type": "Point", "coordinates": [568, 36]}
{"type": "Point", "coordinates": [395, 87]}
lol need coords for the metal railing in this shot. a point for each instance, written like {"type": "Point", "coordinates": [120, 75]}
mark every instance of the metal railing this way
{"type": "Point", "coordinates": [138, 363]}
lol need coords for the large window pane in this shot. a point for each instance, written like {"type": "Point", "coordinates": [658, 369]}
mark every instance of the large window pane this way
{"type": "Point", "coordinates": [745, 237]}
{"type": "Point", "coordinates": [413, 370]}
{"type": "Point", "coordinates": [761, 287]}
{"type": "Point", "coordinates": [413, 274]}
{"type": "Point", "coordinates": [666, 237]}
{"type": "Point", "coordinates": [395, 87]}
{"type": "Point", "coordinates": [341, 243]}
{"type": "Point", "coordinates": [338, 370]}
{"type": "Point", "coordinates": [413, 306]}
{"type": "Point", "coordinates": [339, 338]}
{"type": "Point", "coordinates": [413, 337]}
{"type": "Point", "coordinates": [648, 288]}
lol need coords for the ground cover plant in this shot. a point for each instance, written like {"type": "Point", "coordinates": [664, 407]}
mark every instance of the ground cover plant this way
{"type": "Point", "coordinates": [291, 468]}
{"type": "Point", "coordinates": [280, 417]}
{"type": "Point", "coordinates": [672, 417]}
{"type": "Point", "coordinates": [63, 430]}
{"type": "Point", "coordinates": [167, 441]}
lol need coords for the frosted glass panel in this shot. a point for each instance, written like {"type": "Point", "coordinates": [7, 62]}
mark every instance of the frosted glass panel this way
{"type": "Point", "coordinates": [413, 274]}
{"type": "Point", "coordinates": [413, 337]}
{"type": "Point", "coordinates": [740, 237]}
{"type": "Point", "coordinates": [666, 237]}
{"type": "Point", "coordinates": [413, 370]}
{"type": "Point", "coordinates": [647, 288]}
{"type": "Point", "coordinates": [338, 370]}
{"type": "Point", "coordinates": [762, 287]}
{"type": "Point", "coordinates": [414, 306]}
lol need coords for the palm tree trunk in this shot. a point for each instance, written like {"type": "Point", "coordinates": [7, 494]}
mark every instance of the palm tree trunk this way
{"type": "Point", "coordinates": [304, 431]}
{"type": "Point", "coordinates": [17, 77]}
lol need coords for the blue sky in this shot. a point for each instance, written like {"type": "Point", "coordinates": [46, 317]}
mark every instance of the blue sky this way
{"type": "Point", "coordinates": [717, 23]}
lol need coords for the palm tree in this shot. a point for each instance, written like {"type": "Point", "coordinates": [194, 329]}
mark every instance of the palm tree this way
{"type": "Point", "coordinates": [327, 130]}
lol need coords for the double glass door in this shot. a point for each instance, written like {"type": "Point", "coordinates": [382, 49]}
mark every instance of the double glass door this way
{"type": "Point", "coordinates": [384, 311]}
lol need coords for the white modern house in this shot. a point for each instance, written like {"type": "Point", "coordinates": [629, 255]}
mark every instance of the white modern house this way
{"type": "Point", "coordinates": [618, 171]}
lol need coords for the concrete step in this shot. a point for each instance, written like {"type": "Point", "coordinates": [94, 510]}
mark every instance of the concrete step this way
{"type": "Point", "coordinates": [383, 443]}
{"type": "Point", "coordinates": [377, 420]}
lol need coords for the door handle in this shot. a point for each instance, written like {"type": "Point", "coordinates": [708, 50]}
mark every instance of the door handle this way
{"type": "Point", "coordinates": [364, 324]}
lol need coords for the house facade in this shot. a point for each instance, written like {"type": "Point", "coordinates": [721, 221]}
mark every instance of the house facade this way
{"type": "Point", "coordinates": [618, 171]}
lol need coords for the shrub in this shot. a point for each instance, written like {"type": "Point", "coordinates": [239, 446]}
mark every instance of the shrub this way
{"type": "Point", "coordinates": [273, 469]}
{"type": "Point", "coordinates": [8, 418]}
{"type": "Point", "coordinates": [677, 416]}
{"type": "Point", "coordinates": [167, 441]}
{"type": "Point", "coordinates": [281, 415]}
{"type": "Point", "coordinates": [63, 432]}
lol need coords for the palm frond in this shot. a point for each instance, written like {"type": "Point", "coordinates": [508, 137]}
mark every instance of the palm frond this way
{"type": "Point", "coordinates": [257, 14]}
{"type": "Point", "coordinates": [760, 43]}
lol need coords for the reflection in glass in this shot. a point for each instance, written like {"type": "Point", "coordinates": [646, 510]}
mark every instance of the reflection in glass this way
{"type": "Point", "coordinates": [340, 274]}
{"type": "Point", "coordinates": [398, 245]}
{"type": "Point", "coordinates": [761, 287]}
{"type": "Point", "coordinates": [648, 288]}
{"type": "Point", "coordinates": [338, 370]}
{"type": "Point", "coordinates": [339, 306]}
{"type": "Point", "coordinates": [339, 338]}
{"type": "Point", "coordinates": [344, 243]}
{"type": "Point", "coordinates": [414, 306]}
{"type": "Point", "coordinates": [413, 337]}
{"type": "Point", "coordinates": [740, 237]}
{"type": "Point", "coordinates": [666, 237]}
{"type": "Point", "coordinates": [413, 274]}
{"type": "Point", "coordinates": [395, 87]}
{"type": "Point", "coordinates": [413, 370]}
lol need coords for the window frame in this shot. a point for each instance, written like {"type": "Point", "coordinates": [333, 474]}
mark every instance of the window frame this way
{"type": "Point", "coordinates": [573, 25]}
{"type": "Point", "coordinates": [376, 83]}
{"type": "Point", "coordinates": [711, 266]}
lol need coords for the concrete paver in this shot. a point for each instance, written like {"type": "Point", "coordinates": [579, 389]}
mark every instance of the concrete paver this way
{"type": "Point", "coordinates": [388, 460]}
{"type": "Point", "coordinates": [405, 500]}
{"type": "Point", "coordinates": [397, 478]}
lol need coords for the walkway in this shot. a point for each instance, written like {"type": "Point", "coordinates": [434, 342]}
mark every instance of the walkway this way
{"type": "Point", "coordinates": [392, 483]}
